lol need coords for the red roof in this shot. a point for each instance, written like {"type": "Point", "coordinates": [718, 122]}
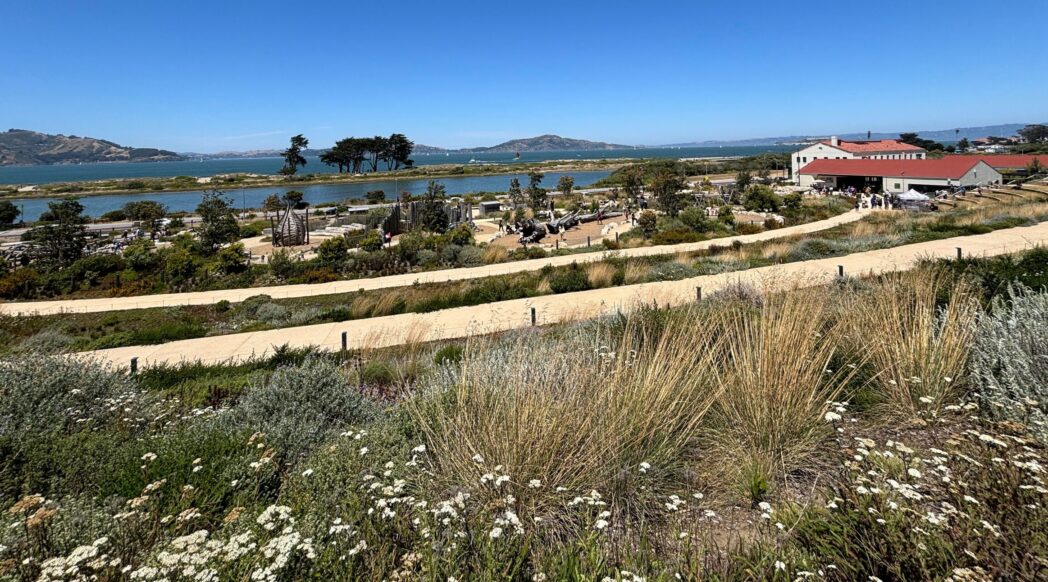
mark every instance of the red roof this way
{"type": "Point", "coordinates": [870, 147]}
{"type": "Point", "coordinates": [1012, 160]}
{"type": "Point", "coordinates": [950, 167]}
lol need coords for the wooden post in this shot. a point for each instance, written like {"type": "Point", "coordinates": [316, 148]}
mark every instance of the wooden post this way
{"type": "Point", "coordinates": [345, 342]}
{"type": "Point", "coordinates": [533, 317]}
{"type": "Point", "coordinates": [558, 244]}
{"type": "Point", "coordinates": [134, 366]}
{"type": "Point", "coordinates": [698, 294]}
{"type": "Point", "coordinates": [960, 254]}
{"type": "Point", "coordinates": [616, 237]}
{"type": "Point", "coordinates": [840, 270]}
{"type": "Point", "coordinates": [587, 241]}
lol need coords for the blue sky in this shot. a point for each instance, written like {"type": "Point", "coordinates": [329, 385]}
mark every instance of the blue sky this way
{"type": "Point", "coordinates": [218, 75]}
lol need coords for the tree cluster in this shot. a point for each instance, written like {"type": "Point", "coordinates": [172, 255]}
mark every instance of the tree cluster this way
{"type": "Point", "coordinates": [360, 154]}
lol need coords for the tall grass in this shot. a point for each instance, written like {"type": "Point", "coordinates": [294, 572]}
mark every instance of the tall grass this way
{"type": "Point", "coordinates": [576, 413]}
{"type": "Point", "coordinates": [917, 347]}
{"type": "Point", "coordinates": [769, 417]}
{"type": "Point", "coordinates": [601, 274]}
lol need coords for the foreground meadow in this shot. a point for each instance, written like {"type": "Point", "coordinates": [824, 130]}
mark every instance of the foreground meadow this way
{"type": "Point", "coordinates": [890, 428]}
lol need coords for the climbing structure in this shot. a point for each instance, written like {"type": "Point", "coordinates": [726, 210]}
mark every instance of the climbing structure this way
{"type": "Point", "coordinates": [291, 229]}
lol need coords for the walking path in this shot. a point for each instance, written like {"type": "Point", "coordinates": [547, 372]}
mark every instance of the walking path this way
{"type": "Point", "coordinates": [354, 285]}
{"type": "Point", "coordinates": [493, 317]}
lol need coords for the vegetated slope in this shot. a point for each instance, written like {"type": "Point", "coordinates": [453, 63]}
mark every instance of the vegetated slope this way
{"type": "Point", "coordinates": [549, 143]}
{"type": "Point", "coordinates": [21, 146]}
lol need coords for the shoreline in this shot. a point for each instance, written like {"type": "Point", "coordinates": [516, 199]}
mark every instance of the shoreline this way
{"type": "Point", "coordinates": [173, 184]}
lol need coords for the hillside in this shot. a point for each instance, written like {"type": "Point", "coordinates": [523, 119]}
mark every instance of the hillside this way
{"type": "Point", "coordinates": [548, 143]}
{"type": "Point", "coordinates": [947, 135]}
{"type": "Point", "coordinates": [24, 147]}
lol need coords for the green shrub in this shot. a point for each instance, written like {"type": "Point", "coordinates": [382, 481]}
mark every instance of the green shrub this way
{"type": "Point", "coordinates": [670, 271]}
{"type": "Point", "coordinates": [378, 373]}
{"type": "Point", "coordinates": [568, 280]}
{"type": "Point", "coordinates": [448, 355]}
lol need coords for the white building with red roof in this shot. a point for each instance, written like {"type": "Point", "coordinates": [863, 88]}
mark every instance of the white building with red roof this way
{"type": "Point", "coordinates": [838, 149]}
{"type": "Point", "coordinates": [900, 175]}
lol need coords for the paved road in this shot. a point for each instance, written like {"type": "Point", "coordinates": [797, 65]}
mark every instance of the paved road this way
{"type": "Point", "coordinates": [505, 315]}
{"type": "Point", "coordinates": [351, 286]}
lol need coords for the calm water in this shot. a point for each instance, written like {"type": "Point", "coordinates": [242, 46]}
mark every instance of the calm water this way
{"type": "Point", "coordinates": [71, 173]}
{"type": "Point", "coordinates": [314, 194]}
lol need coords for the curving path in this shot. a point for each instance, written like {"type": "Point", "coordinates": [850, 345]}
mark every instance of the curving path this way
{"type": "Point", "coordinates": [493, 317]}
{"type": "Point", "coordinates": [354, 285]}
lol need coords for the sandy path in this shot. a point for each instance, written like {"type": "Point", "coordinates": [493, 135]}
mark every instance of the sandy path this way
{"type": "Point", "coordinates": [505, 315]}
{"type": "Point", "coordinates": [351, 286]}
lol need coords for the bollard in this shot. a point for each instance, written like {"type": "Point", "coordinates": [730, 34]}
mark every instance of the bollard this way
{"type": "Point", "coordinates": [698, 294]}
{"type": "Point", "coordinates": [533, 317]}
{"type": "Point", "coordinates": [587, 241]}
{"type": "Point", "coordinates": [840, 270]}
{"type": "Point", "coordinates": [345, 342]}
{"type": "Point", "coordinates": [960, 255]}
{"type": "Point", "coordinates": [558, 244]}
{"type": "Point", "coordinates": [616, 238]}
{"type": "Point", "coordinates": [134, 365]}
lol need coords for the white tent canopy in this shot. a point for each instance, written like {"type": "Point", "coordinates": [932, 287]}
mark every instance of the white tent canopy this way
{"type": "Point", "coordinates": [913, 196]}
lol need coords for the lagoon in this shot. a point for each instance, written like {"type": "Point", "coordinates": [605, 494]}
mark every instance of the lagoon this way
{"type": "Point", "coordinates": [315, 194]}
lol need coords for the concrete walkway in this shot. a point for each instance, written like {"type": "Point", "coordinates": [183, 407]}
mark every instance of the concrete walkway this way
{"type": "Point", "coordinates": [354, 285]}
{"type": "Point", "coordinates": [505, 315]}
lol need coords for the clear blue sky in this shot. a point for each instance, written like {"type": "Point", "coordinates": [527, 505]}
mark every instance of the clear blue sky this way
{"type": "Point", "coordinates": [218, 75]}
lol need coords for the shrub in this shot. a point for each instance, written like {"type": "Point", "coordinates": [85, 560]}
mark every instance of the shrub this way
{"type": "Point", "coordinates": [471, 256]}
{"type": "Point", "coordinates": [378, 373]}
{"type": "Point", "coordinates": [47, 341]}
{"type": "Point", "coordinates": [58, 394]}
{"type": "Point", "coordinates": [371, 242]}
{"type": "Point", "coordinates": [600, 274]}
{"type": "Point", "coordinates": [302, 406]}
{"type": "Point", "coordinates": [428, 258]}
{"type": "Point", "coordinates": [568, 280]}
{"type": "Point", "coordinates": [1010, 361]}
{"type": "Point", "coordinates": [448, 355]}
{"type": "Point", "coordinates": [670, 271]}
{"type": "Point", "coordinates": [695, 219]}
{"type": "Point", "coordinates": [495, 254]}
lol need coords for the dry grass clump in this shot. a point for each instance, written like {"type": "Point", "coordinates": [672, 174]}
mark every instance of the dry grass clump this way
{"type": "Point", "coordinates": [495, 254]}
{"type": "Point", "coordinates": [636, 272]}
{"type": "Point", "coordinates": [917, 348]}
{"type": "Point", "coordinates": [600, 274]}
{"type": "Point", "coordinates": [573, 413]}
{"type": "Point", "coordinates": [774, 370]}
{"type": "Point", "coordinates": [776, 250]}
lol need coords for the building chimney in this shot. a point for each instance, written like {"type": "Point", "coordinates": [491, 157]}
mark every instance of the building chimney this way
{"type": "Point", "coordinates": [834, 141]}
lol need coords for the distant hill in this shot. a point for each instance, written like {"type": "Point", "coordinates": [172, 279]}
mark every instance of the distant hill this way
{"type": "Point", "coordinates": [547, 143]}
{"type": "Point", "coordinates": [24, 147]}
{"type": "Point", "coordinates": [949, 135]}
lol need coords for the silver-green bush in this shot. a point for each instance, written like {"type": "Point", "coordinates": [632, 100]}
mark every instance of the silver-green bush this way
{"type": "Point", "coordinates": [1010, 361]}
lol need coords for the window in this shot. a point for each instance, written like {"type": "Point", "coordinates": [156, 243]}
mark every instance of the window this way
{"type": "Point", "coordinates": [897, 186]}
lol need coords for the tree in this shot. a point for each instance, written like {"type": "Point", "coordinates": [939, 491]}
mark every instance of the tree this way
{"type": "Point", "coordinates": [432, 215]}
{"type": "Point", "coordinates": [760, 198]}
{"type": "Point", "coordinates": [793, 201]}
{"type": "Point", "coordinates": [725, 215]}
{"type": "Point", "coordinates": [293, 198]}
{"type": "Point", "coordinates": [62, 239]}
{"type": "Point", "coordinates": [399, 149]}
{"type": "Point", "coordinates": [8, 212]}
{"type": "Point", "coordinates": [536, 193]}
{"type": "Point", "coordinates": [565, 185]}
{"type": "Point", "coordinates": [915, 140]}
{"type": "Point", "coordinates": [1034, 167]}
{"type": "Point", "coordinates": [148, 212]}
{"type": "Point", "coordinates": [272, 203]}
{"type": "Point", "coordinates": [633, 182]}
{"type": "Point", "coordinates": [667, 187]}
{"type": "Point", "coordinates": [964, 144]}
{"type": "Point", "coordinates": [218, 226]}
{"type": "Point", "coordinates": [1035, 133]}
{"type": "Point", "coordinates": [647, 222]}
{"type": "Point", "coordinates": [516, 195]}
{"type": "Point", "coordinates": [375, 197]}
{"type": "Point", "coordinates": [231, 259]}
{"type": "Point", "coordinates": [293, 155]}
{"type": "Point", "coordinates": [743, 179]}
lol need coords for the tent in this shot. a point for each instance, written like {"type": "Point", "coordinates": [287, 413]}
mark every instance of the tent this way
{"type": "Point", "coordinates": [913, 196]}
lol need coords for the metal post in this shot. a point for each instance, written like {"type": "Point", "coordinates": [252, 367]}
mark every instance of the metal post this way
{"type": "Point", "coordinates": [840, 270]}
{"type": "Point", "coordinates": [960, 255]}
{"type": "Point", "coordinates": [533, 317]}
{"type": "Point", "coordinates": [134, 366]}
{"type": "Point", "coordinates": [345, 341]}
